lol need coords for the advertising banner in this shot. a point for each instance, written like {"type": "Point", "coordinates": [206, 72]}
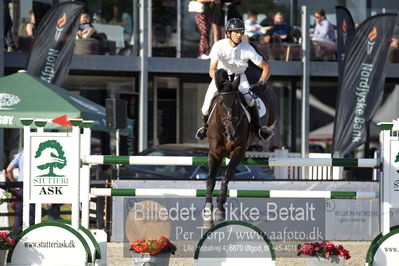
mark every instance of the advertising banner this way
{"type": "Point", "coordinates": [53, 46]}
{"type": "Point", "coordinates": [284, 222]}
{"type": "Point", "coordinates": [345, 28]}
{"type": "Point", "coordinates": [362, 83]}
{"type": "Point", "coordinates": [53, 171]}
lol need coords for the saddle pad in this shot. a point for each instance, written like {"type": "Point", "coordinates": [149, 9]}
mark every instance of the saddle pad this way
{"type": "Point", "coordinates": [259, 103]}
{"type": "Point", "coordinates": [261, 107]}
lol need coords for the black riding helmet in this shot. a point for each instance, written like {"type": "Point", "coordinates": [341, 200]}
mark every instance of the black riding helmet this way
{"type": "Point", "coordinates": [234, 24]}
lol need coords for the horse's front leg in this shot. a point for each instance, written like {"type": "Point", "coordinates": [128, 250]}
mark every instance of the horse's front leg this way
{"type": "Point", "coordinates": [236, 157]}
{"type": "Point", "coordinates": [214, 163]}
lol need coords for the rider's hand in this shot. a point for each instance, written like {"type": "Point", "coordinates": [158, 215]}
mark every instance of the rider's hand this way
{"type": "Point", "coordinates": [258, 87]}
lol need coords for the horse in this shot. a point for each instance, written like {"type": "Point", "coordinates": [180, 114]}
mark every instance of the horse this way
{"type": "Point", "coordinates": [229, 135]}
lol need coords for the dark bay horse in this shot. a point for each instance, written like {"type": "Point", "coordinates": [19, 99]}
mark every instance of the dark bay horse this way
{"type": "Point", "coordinates": [229, 135]}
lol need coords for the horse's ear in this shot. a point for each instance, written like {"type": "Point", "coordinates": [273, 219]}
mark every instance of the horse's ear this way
{"type": "Point", "coordinates": [236, 82]}
{"type": "Point", "coordinates": [220, 78]}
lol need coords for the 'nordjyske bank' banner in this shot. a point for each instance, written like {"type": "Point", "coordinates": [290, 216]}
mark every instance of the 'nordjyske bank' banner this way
{"type": "Point", "coordinates": [345, 28]}
{"type": "Point", "coordinates": [362, 83]}
{"type": "Point", "coordinates": [52, 49]}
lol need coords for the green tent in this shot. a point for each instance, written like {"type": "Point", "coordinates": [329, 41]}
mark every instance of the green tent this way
{"type": "Point", "coordinates": [25, 96]}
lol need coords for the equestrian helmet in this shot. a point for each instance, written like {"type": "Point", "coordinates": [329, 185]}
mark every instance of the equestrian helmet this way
{"type": "Point", "coordinates": [235, 24]}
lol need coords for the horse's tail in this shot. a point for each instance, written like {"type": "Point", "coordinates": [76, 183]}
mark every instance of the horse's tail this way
{"type": "Point", "coordinates": [271, 103]}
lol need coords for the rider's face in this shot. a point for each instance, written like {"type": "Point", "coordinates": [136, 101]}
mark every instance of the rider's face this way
{"type": "Point", "coordinates": [236, 35]}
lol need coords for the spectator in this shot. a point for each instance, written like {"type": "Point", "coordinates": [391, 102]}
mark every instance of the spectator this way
{"type": "Point", "coordinates": [324, 38]}
{"type": "Point", "coordinates": [255, 31]}
{"type": "Point", "coordinates": [8, 37]}
{"type": "Point", "coordinates": [232, 11]}
{"type": "Point", "coordinates": [28, 28]}
{"type": "Point", "coordinates": [40, 8]}
{"type": "Point", "coordinates": [86, 31]}
{"type": "Point", "coordinates": [280, 28]}
{"type": "Point", "coordinates": [217, 20]}
{"type": "Point", "coordinates": [122, 18]}
{"type": "Point", "coordinates": [18, 163]}
{"type": "Point", "coordinates": [203, 21]}
{"type": "Point", "coordinates": [218, 16]}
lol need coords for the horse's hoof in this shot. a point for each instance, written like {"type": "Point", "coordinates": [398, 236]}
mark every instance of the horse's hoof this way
{"type": "Point", "coordinates": [220, 215]}
{"type": "Point", "coordinates": [207, 214]}
{"type": "Point", "coordinates": [208, 224]}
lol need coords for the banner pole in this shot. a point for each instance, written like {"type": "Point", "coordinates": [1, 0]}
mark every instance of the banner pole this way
{"type": "Point", "coordinates": [305, 89]}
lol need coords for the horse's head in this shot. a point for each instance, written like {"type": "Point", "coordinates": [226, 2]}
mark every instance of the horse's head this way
{"type": "Point", "coordinates": [231, 114]}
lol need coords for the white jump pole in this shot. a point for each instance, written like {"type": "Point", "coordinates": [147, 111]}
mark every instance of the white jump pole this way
{"type": "Point", "coordinates": [85, 173]}
{"type": "Point", "coordinates": [232, 193]}
{"type": "Point", "coordinates": [188, 160]}
{"type": "Point", "coordinates": [385, 204]}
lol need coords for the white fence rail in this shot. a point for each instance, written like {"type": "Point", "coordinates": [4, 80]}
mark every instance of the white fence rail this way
{"type": "Point", "coordinates": [294, 172]}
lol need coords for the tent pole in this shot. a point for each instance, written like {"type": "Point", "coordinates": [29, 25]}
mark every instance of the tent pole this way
{"type": "Point", "coordinates": [117, 135]}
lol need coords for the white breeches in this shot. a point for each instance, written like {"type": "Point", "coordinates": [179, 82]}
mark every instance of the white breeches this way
{"type": "Point", "coordinates": [212, 91]}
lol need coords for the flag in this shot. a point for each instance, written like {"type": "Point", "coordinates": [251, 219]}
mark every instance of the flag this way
{"type": "Point", "coordinates": [62, 120]}
{"type": "Point", "coordinates": [52, 49]}
{"type": "Point", "coordinates": [362, 83]}
{"type": "Point", "coordinates": [345, 28]}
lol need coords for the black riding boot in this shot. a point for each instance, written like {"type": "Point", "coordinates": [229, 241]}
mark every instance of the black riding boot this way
{"type": "Point", "coordinates": [201, 133]}
{"type": "Point", "coordinates": [263, 132]}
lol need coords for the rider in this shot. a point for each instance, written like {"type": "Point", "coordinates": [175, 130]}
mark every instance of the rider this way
{"type": "Point", "coordinates": [232, 54]}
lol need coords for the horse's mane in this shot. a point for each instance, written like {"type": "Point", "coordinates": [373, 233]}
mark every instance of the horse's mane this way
{"type": "Point", "coordinates": [223, 83]}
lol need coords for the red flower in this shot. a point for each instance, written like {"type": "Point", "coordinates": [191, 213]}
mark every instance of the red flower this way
{"type": "Point", "coordinates": [153, 246]}
{"type": "Point", "coordinates": [329, 245]}
{"type": "Point", "coordinates": [5, 241]}
{"type": "Point", "coordinates": [328, 254]}
{"type": "Point", "coordinates": [323, 249]}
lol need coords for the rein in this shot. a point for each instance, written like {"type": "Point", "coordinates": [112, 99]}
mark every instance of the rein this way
{"type": "Point", "coordinates": [228, 92]}
{"type": "Point", "coordinates": [228, 117]}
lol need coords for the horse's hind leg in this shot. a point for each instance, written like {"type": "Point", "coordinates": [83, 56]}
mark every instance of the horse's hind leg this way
{"type": "Point", "coordinates": [214, 164]}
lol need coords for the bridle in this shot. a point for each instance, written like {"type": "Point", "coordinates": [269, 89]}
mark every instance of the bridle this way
{"type": "Point", "coordinates": [229, 119]}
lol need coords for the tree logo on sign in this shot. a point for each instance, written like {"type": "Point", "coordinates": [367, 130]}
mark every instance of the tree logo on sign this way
{"type": "Point", "coordinates": [52, 156]}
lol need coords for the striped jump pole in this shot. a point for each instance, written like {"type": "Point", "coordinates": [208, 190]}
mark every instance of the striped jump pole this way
{"type": "Point", "coordinates": [186, 160]}
{"type": "Point", "coordinates": [232, 193]}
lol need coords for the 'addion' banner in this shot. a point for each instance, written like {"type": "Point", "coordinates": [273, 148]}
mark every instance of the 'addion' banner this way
{"type": "Point", "coordinates": [362, 83]}
{"type": "Point", "coordinates": [52, 49]}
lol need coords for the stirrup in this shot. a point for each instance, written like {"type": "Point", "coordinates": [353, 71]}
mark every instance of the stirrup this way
{"type": "Point", "coordinates": [201, 133]}
{"type": "Point", "coordinates": [269, 133]}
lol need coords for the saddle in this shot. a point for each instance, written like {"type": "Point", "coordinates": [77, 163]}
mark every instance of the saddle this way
{"type": "Point", "coordinates": [259, 102]}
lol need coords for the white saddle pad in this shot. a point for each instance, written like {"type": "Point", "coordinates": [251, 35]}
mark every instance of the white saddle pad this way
{"type": "Point", "coordinates": [261, 107]}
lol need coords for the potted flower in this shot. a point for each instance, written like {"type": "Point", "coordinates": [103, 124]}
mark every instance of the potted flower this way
{"type": "Point", "coordinates": [6, 243]}
{"type": "Point", "coordinates": [153, 251]}
{"type": "Point", "coordinates": [324, 253]}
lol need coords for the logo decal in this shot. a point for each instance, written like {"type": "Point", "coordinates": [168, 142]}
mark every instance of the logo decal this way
{"type": "Point", "coordinates": [371, 40]}
{"type": "Point", "coordinates": [60, 26]}
{"type": "Point", "coordinates": [396, 182]}
{"type": "Point", "coordinates": [7, 99]}
{"type": "Point", "coordinates": [344, 26]}
{"type": "Point", "coordinates": [52, 156]}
